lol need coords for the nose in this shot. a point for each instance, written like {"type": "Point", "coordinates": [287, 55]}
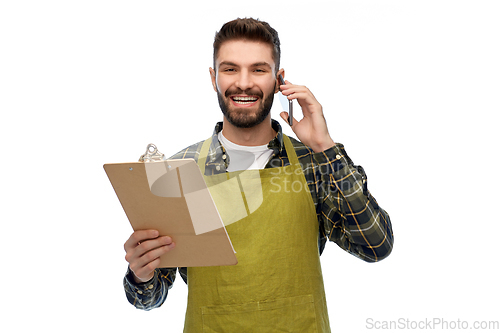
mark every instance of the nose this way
{"type": "Point", "coordinates": [244, 81]}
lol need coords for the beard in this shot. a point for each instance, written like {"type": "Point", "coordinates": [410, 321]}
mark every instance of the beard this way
{"type": "Point", "coordinates": [242, 118]}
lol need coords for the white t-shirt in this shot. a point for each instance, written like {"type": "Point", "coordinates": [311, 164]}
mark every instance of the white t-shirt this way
{"type": "Point", "coordinates": [245, 157]}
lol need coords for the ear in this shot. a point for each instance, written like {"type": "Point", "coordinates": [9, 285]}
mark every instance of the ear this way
{"type": "Point", "coordinates": [282, 72]}
{"type": "Point", "coordinates": [213, 77]}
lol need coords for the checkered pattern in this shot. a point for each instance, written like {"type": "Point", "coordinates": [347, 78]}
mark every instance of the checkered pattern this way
{"type": "Point", "coordinates": [347, 213]}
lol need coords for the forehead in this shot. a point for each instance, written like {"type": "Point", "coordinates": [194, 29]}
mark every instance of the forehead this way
{"type": "Point", "coordinates": [245, 53]}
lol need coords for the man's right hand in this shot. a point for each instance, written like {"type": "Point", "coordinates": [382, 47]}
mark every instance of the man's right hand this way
{"type": "Point", "coordinates": [144, 249]}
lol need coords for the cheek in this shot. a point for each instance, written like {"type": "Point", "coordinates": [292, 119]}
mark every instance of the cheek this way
{"type": "Point", "coordinates": [270, 87]}
{"type": "Point", "coordinates": [223, 81]}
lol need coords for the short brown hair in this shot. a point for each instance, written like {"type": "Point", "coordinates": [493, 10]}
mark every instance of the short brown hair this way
{"type": "Point", "coordinates": [249, 29]}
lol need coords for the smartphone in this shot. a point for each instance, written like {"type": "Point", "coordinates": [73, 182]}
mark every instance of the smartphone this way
{"type": "Point", "coordinates": [290, 103]}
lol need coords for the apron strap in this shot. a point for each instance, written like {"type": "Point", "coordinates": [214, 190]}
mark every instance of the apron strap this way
{"type": "Point", "coordinates": [202, 158]}
{"type": "Point", "coordinates": [290, 151]}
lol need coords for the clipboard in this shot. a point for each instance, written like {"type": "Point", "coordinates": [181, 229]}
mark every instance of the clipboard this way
{"type": "Point", "coordinates": [172, 197]}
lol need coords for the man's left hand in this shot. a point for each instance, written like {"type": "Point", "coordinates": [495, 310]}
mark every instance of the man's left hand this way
{"type": "Point", "coordinates": [311, 130]}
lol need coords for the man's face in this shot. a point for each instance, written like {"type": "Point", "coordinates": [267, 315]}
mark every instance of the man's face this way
{"type": "Point", "coordinates": [245, 81]}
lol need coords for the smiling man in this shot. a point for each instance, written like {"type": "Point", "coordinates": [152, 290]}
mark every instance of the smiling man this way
{"type": "Point", "coordinates": [244, 83]}
{"type": "Point", "coordinates": [311, 192]}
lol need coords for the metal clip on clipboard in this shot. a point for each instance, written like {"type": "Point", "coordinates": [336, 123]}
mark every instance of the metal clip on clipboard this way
{"type": "Point", "coordinates": [152, 154]}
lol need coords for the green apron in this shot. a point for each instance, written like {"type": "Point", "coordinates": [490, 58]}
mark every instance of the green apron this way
{"type": "Point", "coordinates": [277, 285]}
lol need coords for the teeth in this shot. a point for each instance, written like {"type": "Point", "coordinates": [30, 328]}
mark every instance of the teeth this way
{"type": "Point", "coordinates": [244, 99]}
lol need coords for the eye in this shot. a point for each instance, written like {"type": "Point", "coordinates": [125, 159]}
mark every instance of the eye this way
{"type": "Point", "coordinates": [230, 70]}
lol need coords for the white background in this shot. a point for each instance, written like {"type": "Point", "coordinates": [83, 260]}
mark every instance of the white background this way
{"type": "Point", "coordinates": [409, 87]}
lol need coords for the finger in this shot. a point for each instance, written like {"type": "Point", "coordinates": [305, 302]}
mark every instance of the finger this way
{"type": "Point", "coordinates": [289, 87]}
{"type": "Point", "coordinates": [136, 254]}
{"type": "Point", "coordinates": [144, 265]}
{"type": "Point", "coordinates": [146, 273]}
{"type": "Point", "coordinates": [304, 98]}
{"type": "Point", "coordinates": [298, 92]}
{"type": "Point", "coordinates": [152, 244]}
{"type": "Point", "coordinates": [140, 236]}
{"type": "Point", "coordinates": [284, 115]}
{"type": "Point", "coordinates": [155, 253]}
{"type": "Point", "coordinates": [286, 87]}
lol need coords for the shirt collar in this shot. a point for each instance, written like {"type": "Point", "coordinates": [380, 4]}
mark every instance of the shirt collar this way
{"type": "Point", "coordinates": [218, 160]}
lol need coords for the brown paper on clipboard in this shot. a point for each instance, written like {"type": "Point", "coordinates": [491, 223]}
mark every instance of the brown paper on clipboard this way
{"type": "Point", "coordinates": [171, 196]}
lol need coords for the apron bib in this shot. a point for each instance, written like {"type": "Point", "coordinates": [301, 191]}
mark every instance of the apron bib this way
{"type": "Point", "coordinates": [277, 285]}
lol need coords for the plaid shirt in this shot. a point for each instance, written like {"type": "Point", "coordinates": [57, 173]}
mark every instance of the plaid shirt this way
{"type": "Point", "coordinates": [347, 213]}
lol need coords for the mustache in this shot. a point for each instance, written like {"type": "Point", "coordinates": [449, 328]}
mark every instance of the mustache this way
{"type": "Point", "coordinates": [249, 92]}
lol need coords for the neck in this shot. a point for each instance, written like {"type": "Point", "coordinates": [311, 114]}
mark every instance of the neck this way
{"type": "Point", "coordinates": [255, 136]}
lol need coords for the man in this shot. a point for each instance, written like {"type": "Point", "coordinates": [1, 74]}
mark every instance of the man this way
{"type": "Point", "coordinates": [311, 192]}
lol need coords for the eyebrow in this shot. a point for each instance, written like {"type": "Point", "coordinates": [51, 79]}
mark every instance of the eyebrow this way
{"type": "Point", "coordinates": [257, 64]}
{"type": "Point", "coordinates": [263, 63]}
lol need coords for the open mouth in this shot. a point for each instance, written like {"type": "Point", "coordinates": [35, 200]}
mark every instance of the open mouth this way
{"type": "Point", "coordinates": [244, 100]}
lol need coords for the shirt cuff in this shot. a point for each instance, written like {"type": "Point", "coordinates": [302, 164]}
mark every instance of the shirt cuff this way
{"type": "Point", "coordinates": [145, 288]}
{"type": "Point", "coordinates": [335, 157]}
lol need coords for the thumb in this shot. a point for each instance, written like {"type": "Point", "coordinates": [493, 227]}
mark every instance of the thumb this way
{"type": "Point", "coordinates": [284, 115]}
